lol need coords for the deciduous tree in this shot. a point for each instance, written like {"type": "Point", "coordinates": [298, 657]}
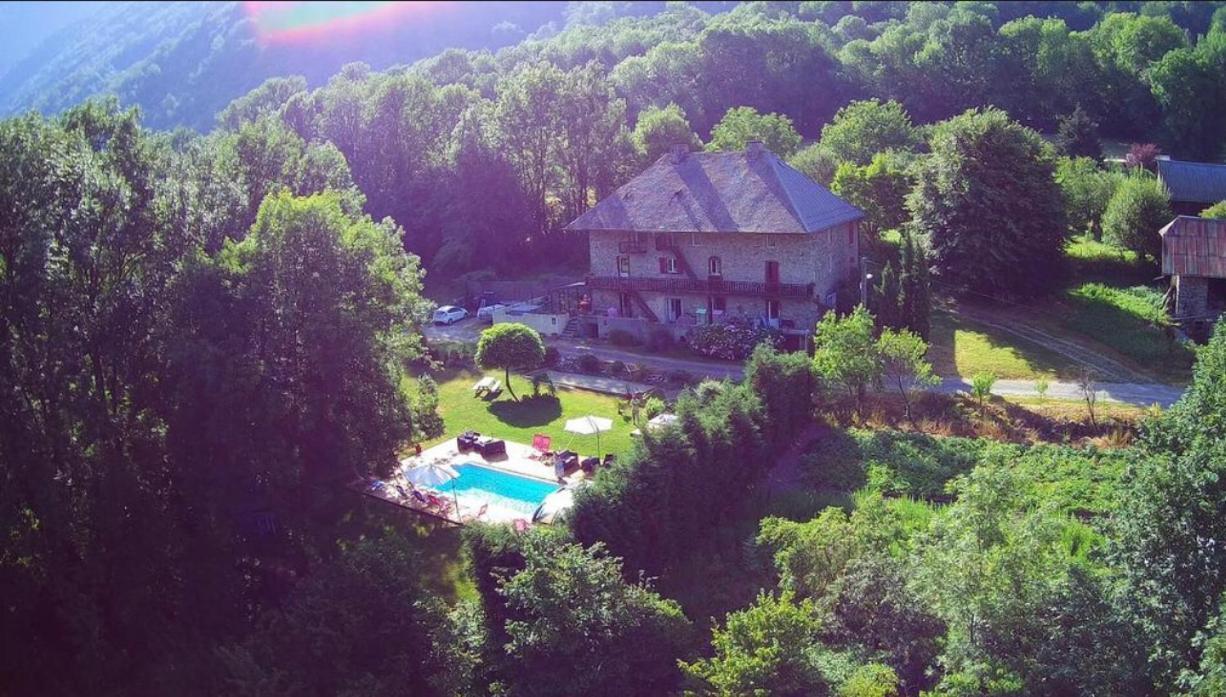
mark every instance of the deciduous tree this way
{"type": "Point", "coordinates": [510, 346]}
{"type": "Point", "coordinates": [987, 202]}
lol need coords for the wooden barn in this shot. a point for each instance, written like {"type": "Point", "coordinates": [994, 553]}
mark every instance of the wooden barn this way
{"type": "Point", "coordinates": [1194, 256]}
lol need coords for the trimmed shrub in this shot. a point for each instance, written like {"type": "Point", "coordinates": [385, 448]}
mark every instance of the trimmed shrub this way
{"type": "Point", "coordinates": [552, 357]}
{"type": "Point", "coordinates": [653, 407]}
{"type": "Point", "coordinates": [617, 368]}
{"type": "Point", "coordinates": [588, 363]}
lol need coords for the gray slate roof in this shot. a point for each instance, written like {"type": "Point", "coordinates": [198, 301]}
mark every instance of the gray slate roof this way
{"type": "Point", "coordinates": [1195, 182]}
{"type": "Point", "coordinates": [751, 191]}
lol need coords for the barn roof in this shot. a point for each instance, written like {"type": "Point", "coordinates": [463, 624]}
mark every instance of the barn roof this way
{"type": "Point", "coordinates": [1194, 247]}
{"type": "Point", "coordinates": [749, 191]}
{"type": "Point", "coordinates": [1194, 182]}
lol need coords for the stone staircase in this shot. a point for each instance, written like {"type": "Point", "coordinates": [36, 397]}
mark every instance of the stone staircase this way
{"type": "Point", "coordinates": [571, 330]}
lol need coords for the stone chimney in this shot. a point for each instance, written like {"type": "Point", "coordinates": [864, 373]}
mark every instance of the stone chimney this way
{"type": "Point", "coordinates": [754, 149]}
{"type": "Point", "coordinates": [680, 151]}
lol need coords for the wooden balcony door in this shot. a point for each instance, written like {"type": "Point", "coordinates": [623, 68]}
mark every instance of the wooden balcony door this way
{"type": "Point", "coordinates": [772, 273]}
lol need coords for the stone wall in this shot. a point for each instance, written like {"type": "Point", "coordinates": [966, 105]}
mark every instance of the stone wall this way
{"type": "Point", "coordinates": [824, 259]}
{"type": "Point", "coordinates": [1191, 296]}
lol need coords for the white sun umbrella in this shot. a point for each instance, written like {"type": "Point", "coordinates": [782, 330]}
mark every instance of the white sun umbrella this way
{"type": "Point", "coordinates": [662, 420]}
{"type": "Point", "coordinates": [433, 474]}
{"type": "Point", "coordinates": [588, 425]}
{"type": "Point", "coordinates": [553, 505]}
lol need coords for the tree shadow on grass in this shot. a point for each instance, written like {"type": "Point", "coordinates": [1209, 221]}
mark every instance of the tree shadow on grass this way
{"type": "Point", "coordinates": [1030, 357]}
{"type": "Point", "coordinates": [528, 412]}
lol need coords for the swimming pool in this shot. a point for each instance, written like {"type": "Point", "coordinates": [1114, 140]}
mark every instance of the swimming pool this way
{"type": "Point", "coordinates": [498, 488]}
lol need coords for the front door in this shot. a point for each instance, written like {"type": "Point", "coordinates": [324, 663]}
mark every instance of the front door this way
{"type": "Point", "coordinates": [772, 312]}
{"type": "Point", "coordinates": [625, 305]}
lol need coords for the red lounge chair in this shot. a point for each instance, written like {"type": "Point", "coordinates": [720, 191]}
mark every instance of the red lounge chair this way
{"type": "Point", "coordinates": [541, 442]}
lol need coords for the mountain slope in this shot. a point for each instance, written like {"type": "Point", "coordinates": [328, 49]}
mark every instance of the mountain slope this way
{"type": "Point", "coordinates": [182, 62]}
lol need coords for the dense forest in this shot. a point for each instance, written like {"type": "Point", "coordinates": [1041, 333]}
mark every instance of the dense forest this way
{"type": "Point", "coordinates": [204, 336]}
{"type": "Point", "coordinates": [482, 156]}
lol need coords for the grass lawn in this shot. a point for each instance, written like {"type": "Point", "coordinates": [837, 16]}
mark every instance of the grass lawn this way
{"type": "Point", "coordinates": [506, 418]}
{"type": "Point", "coordinates": [959, 346]}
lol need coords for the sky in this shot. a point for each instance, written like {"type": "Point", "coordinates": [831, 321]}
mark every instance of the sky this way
{"type": "Point", "coordinates": [24, 25]}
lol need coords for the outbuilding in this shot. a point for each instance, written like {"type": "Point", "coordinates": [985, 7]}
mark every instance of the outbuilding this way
{"type": "Point", "coordinates": [1194, 256]}
{"type": "Point", "coordinates": [1194, 186]}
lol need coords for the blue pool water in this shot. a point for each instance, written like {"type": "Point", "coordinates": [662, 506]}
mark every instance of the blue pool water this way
{"type": "Point", "coordinates": [499, 488]}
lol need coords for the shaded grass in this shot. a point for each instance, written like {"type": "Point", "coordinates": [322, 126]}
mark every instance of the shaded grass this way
{"type": "Point", "coordinates": [1131, 321]}
{"type": "Point", "coordinates": [509, 419]}
{"type": "Point", "coordinates": [959, 346]}
{"type": "Point", "coordinates": [1091, 260]}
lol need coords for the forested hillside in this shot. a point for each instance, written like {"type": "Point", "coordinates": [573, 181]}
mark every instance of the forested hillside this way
{"type": "Point", "coordinates": [483, 156]}
{"type": "Point", "coordinates": [181, 62]}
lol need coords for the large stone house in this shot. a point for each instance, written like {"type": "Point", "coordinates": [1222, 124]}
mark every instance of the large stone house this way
{"type": "Point", "coordinates": [703, 238]}
{"type": "Point", "coordinates": [1194, 256]}
{"type": "Point", "coordinates": [1194, 186]}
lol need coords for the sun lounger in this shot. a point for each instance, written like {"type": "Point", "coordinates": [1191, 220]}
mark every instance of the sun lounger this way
{"type": "Point", "coordinates": [476, 516]}
{"type": "Point", "coordinates": [541, 442]}
{"type": "Point", "coordinates": [521, 525]}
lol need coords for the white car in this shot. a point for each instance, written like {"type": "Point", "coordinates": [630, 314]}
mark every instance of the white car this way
{"type": "Point", "coordinates": [487, 311]}
{"type": "Point", "coordinates": [449, 314]}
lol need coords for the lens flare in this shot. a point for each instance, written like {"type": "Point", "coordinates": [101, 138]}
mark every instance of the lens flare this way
{"type": "Point", "coordinates": [295, 22]}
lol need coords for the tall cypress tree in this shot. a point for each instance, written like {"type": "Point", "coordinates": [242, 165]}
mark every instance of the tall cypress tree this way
{"type": "Point", "coordinates": [887, 305]}
{"type": "Point", "coordinates": [914, 304]}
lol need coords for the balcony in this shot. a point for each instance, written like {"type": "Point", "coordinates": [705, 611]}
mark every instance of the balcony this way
{"type": "Point", "coordinates": [709, 286]}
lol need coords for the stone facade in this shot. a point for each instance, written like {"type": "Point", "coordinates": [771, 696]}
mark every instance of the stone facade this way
{"type": "Point", "coordinates": [1191, 296]}
{"type": "Point", "coordinates": [819, 262]}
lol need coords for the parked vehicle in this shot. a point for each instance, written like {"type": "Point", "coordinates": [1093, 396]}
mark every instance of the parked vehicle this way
{"type": "Point", "coordinates": [449, 314]}
{"type": "Point", "coordinates": [487, 311]}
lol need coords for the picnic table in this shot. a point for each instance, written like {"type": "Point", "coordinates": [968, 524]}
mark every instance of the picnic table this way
{"type": "Point", "coordinates": [488, 385]}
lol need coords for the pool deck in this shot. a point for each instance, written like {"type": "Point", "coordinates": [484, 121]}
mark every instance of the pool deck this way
{"type": "Point", "coordinates": [518, 461]}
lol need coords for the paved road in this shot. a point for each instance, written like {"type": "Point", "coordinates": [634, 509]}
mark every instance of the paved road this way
{"type": "Point", "coordinates": [1140, 394]}
{"type": "Point", "coordinates": [1137, 393]}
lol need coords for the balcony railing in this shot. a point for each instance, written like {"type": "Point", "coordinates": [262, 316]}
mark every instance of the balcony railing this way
{"type": "Point", "coordinates": [709, 286]}
{"type": "Point", "coordinates": [632, 247]}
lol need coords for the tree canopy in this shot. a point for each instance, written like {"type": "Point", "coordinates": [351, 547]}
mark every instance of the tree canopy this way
{"type": "Point", "coordinates": [989, 205]}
